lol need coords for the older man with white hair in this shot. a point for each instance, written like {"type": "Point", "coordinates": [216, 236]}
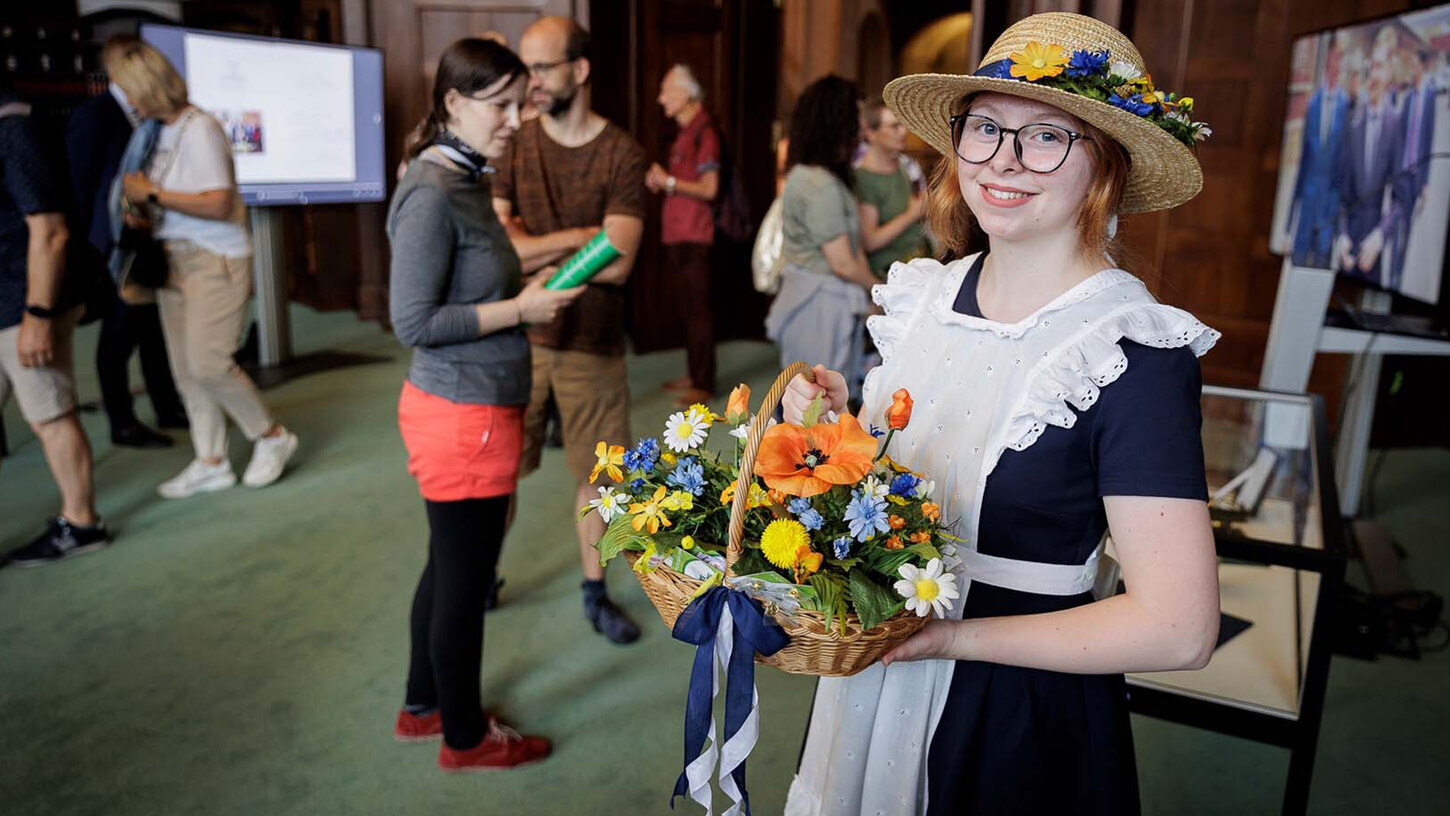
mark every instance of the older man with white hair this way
{"type": "Point", "coordinates": [690, 185]}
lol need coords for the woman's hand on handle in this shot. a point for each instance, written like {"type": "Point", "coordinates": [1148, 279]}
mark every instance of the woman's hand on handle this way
{"type": "Point", "coordinates": [801, 391]}
{"type": "Point", "coordinates": [539, 305]}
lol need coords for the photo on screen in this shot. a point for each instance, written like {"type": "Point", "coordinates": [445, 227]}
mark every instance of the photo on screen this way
{"type": "Point", "coordinates": [243, 129]}
{"type": "Point", "coordinates": [1364, 178]}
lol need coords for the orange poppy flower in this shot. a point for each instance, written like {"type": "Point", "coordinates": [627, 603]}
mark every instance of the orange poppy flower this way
{"type": "Point", "coordinates": [809, 461]}
{"type": "Point", "coordinates": [899, 414]}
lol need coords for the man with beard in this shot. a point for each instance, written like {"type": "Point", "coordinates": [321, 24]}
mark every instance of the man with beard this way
{"type": "Point", "coordinates": [568, 174]}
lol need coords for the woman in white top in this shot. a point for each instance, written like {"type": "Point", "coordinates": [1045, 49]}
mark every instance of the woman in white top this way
{"type": "Point", "coordinates": [188, 197]}
{"type": "Point", "coordinates": [1055, 400]}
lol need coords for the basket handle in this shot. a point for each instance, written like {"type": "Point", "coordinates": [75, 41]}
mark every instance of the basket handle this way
{"type": "Point", "coordinates": [747, 460]}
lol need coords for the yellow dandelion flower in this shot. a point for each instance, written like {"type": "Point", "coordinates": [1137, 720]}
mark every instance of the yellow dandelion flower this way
{"type": "Point", "coordinates": [783, 541]}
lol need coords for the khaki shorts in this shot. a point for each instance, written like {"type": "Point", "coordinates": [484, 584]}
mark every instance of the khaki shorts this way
{"type": "Point", "coordinates": [592, 392]}
{"type": "Point", "coordinates": [46, 393]}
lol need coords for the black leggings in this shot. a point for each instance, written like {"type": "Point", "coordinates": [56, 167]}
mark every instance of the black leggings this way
{"type": "Point", "coordinates": [447, 621]}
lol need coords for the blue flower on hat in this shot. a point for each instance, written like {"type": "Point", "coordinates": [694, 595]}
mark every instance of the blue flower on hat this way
{"type": "Point", "coordinates": [1087, 63]}
{"type": "Point", "coordinates": [1132, 104]}
{"type": "Point", "coordinates": [1001, 69]}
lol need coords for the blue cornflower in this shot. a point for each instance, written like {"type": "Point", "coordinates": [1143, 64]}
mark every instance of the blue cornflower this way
{"type": "Point", "coordinates": [904, 485]}
{"type": "Point", "coordinates": [811, 519]}
{"type": "Point", "coordinates": [688, 475]}
{"type": "Point", "coordinates": [877, 432]}
{"type": "Point", "coordinates": [637, 485]}
{"type": "Point", "coordinates": [841, 547]}
{"type": "Point", "coordinates": [1087, 63]}
{"type": "Point", "coordinates": [1132, 104]}
{"type": "Point", "coordinates": [644, 455]}
{"type": "Point", "coordinates": [866, 516]}
{"type": "Point", "coordinates": [1001, 69]}
{"type": "Point", "coordinates": [798, 506]}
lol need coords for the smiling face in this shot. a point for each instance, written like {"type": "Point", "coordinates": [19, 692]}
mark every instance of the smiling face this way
{"type": "Point", "coordinates": [487, 120]}
{"type": "Point", "coordinates": [1010, 202]}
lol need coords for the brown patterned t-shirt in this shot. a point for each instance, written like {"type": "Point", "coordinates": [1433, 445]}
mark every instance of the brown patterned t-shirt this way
{"type": "Point", "coordinates": [553, 187]}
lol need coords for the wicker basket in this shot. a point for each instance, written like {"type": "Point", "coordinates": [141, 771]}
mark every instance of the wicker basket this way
{"type": "Point", "coordinates": [816, 647]}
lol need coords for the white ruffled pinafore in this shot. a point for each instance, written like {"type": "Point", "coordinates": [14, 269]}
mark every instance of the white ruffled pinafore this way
{"type": "Point", "coordinates": [979, 387]}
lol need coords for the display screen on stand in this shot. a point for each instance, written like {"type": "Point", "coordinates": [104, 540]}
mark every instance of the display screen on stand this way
{"type": "Point", "coordinates": [305, 119]}
{"type": "Point", "coordinates": [1364, 179]}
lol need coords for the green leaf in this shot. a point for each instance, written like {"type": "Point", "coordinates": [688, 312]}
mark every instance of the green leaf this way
{"type": "Point", "coordinates": [813, 412]}
{"type": "Point", "coordinates": [618, 537]}
{"type": "Point", "coordinates": [752, 562]}
{"type": "Point", "coordinates": [925, 550]}
{"type": "Point", "coordinates": [845, 564]}
{"type": "Point", "coordinates": [872, 602]}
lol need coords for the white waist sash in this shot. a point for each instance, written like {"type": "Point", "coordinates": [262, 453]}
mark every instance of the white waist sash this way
{"type": "Point", "coordinates": [1032, 576]}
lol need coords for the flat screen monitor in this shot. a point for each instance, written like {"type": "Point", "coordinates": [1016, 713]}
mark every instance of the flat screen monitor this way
{"type": "Point", "coordinates": [1364, 174]}
{"type": "Point", "coordinates": [305, 119]}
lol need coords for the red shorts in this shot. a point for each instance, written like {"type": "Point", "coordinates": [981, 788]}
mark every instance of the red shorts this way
{"type": "Point", "coordinates": [458, 450]}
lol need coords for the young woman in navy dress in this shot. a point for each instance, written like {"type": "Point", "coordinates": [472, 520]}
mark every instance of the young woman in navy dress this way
{"type": "Point", "coordinates": [1056, 401]}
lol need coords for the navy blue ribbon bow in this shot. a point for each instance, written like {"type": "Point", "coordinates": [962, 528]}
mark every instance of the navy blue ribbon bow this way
{"type": "Point", "coordinates": [752, 631]}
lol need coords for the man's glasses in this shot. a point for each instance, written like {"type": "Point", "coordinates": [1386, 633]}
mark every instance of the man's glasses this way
{"type": "Point", "coordinates": [540, 67]}
{"type": "Point", "coordinates": [1040, 148]}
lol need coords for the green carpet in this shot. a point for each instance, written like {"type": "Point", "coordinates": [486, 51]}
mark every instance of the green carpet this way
{"type": "Point", "coordinates": [244, 652]}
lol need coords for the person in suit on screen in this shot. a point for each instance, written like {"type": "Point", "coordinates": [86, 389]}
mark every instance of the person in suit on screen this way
{"type": "Point", "coordinates": [1316, 191]}
{"type": "Point", "coordinates": [1371, 159]}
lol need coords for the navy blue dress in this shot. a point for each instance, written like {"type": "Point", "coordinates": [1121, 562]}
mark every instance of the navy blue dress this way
{"type": "Point", "coordinates": [1026, 741]}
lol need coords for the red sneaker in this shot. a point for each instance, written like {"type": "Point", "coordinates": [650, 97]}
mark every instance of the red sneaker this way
{"type": "Point", "coordinates": [412, 728]}
{"type": "Point", "coordinates": [502, 748]}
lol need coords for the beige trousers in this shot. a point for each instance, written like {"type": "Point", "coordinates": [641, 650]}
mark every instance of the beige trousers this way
{"type": "Point", "coordinates": [202, 308]}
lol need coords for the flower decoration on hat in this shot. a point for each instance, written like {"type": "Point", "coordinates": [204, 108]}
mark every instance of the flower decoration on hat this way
{"type": "Point", "coordinates": [1096, 75]}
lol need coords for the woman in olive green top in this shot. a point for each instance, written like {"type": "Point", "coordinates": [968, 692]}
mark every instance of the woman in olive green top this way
{"type": "Point", "coordinates": [891, 210]}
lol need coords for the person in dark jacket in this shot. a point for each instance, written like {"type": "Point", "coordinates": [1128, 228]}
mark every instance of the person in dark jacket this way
{"type": "Point", "coordinates": [95, 139]}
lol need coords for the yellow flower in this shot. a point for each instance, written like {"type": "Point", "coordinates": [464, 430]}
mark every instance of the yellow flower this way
{"type": "Point", "coordinates": [758, 496]}
{"type": "Point", "coordinates": [668, 458]}
{"type": "Point", "coordinates": [650, 516]}
{"type": "Point", "coordinates": [1185, 104]}
{"type": "Point", "coordinates": [679, 500]}
{"type": "Point", "coordinates": [702, 414]}
{"type": "Point", "coordinates": [1037, 61]}
{"type": "Point", "coordinates": [688, 542]}
{"type": "Point", "coordinates": [610, 461]}
{"type": "Point", "coordinates": [783, 542]}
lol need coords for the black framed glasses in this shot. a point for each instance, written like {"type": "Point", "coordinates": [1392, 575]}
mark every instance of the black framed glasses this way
{"type": "Point", "coordinates": [1040, 147]}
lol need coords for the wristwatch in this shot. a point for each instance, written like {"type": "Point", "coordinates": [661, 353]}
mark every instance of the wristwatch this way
{"type": "Point", "coordinates": [153, 198]}
{"type": "Point", "coordinates": [41, 312]}
{"type": "Point", "coordinates": [670, 185]}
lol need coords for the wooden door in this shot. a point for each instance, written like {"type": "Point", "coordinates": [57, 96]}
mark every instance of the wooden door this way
{"type": "Point", "coordinates": [731, 47]}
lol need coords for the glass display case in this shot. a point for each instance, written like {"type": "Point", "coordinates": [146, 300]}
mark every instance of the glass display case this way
{"type": "Point", "coordinates": [1281, 564]}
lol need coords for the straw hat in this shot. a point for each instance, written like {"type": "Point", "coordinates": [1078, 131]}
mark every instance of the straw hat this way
{"type": "Point", "coordinates": [1164, 172]}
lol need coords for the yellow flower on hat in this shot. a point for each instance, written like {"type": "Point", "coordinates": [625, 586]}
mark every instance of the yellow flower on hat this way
{"type": "Point", "coordinates": [1037, 61]}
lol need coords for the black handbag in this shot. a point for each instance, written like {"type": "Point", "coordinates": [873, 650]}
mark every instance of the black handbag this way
{"type": "Point", "coordinates": [146, 262]}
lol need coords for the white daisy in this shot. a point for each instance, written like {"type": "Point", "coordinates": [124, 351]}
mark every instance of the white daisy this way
{"type": "Point", "coordinates": [873, 486]}
{"type": "Point", "coordinates": [927, 590]}
{"type": "Point", "coordinates": [610, 503]}
{"type": "Point", "coordinates": [742, 431]}
{"type": "Point", "coordinates": [1124, 70]}
{"type": "Point", "coordinates": [684, 431]}
{"type": "Point", "coordinates": [1202, 132]}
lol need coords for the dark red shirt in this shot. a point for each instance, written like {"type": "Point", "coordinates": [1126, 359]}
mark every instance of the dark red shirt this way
{"type": "Point", "coordinates": [696, 151]}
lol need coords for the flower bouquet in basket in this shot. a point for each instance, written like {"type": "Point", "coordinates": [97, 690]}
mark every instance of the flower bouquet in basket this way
{"type": "Point", "coordinates": [840, 545]}
{"type": "Point", "coordinates": [820, 570]}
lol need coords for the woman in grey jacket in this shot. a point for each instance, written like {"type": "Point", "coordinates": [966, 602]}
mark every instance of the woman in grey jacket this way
{"type": "Point", "coordinates": [459, 301]}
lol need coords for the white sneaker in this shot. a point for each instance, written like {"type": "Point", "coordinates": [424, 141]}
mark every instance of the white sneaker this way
{"type": "Point", "coordinates": [199, 477]}
{"type": "Point", "coordinates": [269, 459]}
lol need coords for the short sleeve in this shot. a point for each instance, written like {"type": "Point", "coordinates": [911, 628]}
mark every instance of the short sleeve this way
{"type": "Point", "coordinates": [627, 193]}
{"type": "Point", "coordinates": [28, 176]}
{"type": "Point", "coordinates": [708, 156]}
{"type": "Point", "coordinates": [203, 159]}
{"type": "Point", "coordinates": [824, 213]}
{"type": "Point", "coordinates": [1147, 433]}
